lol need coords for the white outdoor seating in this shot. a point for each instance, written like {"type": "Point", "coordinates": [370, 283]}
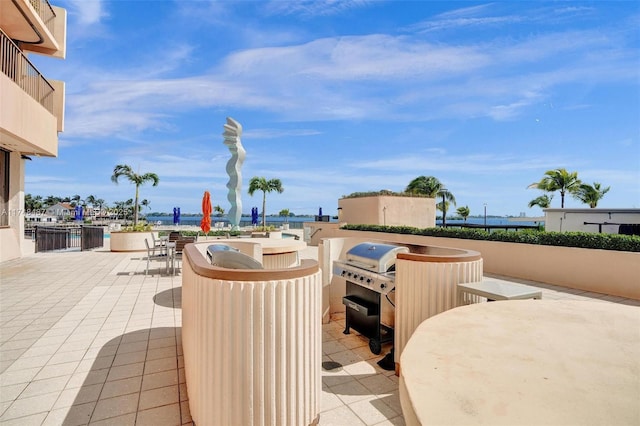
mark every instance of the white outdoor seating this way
{"type": "Point", "coordinates": [154, 253]}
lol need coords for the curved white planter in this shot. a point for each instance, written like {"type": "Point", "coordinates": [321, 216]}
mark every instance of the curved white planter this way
{"type": "Point", "coordinates": [129, 241]}
{"type": "Point", "coordinates": [252, 343]}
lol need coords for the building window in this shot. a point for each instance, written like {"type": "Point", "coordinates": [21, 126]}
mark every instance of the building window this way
{"type": "Point", "coordinates": [4, 187]}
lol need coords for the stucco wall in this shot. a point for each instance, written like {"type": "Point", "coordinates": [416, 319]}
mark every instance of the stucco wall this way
{"type": "Point", "coordinates": [602, 271]}
{"type": "Point", "coordinates": [11, 237]}
{"type": "Point", "coordinates": [388, 210]}
{"type": "Point", "coordinates": [26, 120]}
{"type": "Point", "coordinates": [570, 220]}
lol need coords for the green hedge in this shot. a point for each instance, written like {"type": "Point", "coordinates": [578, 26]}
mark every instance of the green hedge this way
{"type": "Point", "coordinates": [201, 234]}
{"type": "Point", "coordinates": [564, 239]}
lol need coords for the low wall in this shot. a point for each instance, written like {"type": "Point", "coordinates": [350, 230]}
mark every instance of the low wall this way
{"type": "Point", "coordinates": [610, 272]}
{"type": "Point", "coordinates": [130, 241]}
{"type": "Point", "coordinates": [252, 342]}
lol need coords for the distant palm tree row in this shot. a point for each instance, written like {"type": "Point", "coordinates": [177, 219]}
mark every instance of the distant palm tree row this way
{"type": "Point", "coordinates": [557, 180]}
{"type": "Point", "coordinates": [124, 208]}
{"type": "Point", "coordinates": [565, 182]}
{"type": "Point", "coordinates": [554, 180]}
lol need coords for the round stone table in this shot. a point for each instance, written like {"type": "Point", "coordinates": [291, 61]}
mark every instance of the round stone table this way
{"type": "Point", "coordinates": [524, 362]}
{"type": "Point", "coordinates": [275, 253]}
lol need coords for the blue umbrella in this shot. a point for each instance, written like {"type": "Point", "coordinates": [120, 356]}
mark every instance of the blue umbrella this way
{"type": "Point", "coordinates": [320, 212]}
{"type": "Point", "coordinates": [254, 215]}
{"type": "Point", "coordinates": [78, 213]}
{"type": "Point", "coordinates": [176, 215]}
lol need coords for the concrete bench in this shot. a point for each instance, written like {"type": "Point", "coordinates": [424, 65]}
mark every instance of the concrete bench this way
{"type": "Point", "coordinates": [498, 290]}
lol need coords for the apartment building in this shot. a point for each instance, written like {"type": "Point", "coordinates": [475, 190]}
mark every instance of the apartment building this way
{"type": "Point", "coordinates": [31, 105]}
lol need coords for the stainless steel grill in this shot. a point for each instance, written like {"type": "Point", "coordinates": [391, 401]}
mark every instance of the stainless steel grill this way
{"type": "Point", "coordinates": [371, 265]}
{"type": "Point", "coordinates": [369, 270]}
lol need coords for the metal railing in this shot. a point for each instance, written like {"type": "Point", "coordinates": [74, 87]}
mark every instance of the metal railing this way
{"type": "Point", "coordinates": [49, 238]}
{"type": "Point", "coordinates": [45, 11]}
{"type": "Point", "coordinates": [17, 67]}
{"type": "Point", "coordinates": [92, 237]}
{"type": "Point", "coordinates": [56, 238]}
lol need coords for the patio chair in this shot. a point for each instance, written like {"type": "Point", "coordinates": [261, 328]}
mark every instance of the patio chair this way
{"type": "Point", "coordinates": [177, 254]}
{"type": "Point", "coordinates": [157, 243]}
{"type": "Point", "coordinates": [174, 236]}
{"type": "Point", "coordinates": [153, 253]}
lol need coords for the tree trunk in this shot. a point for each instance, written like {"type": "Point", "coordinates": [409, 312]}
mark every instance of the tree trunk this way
{"type": "Point", "coordinates": [135, 209]}
{"type": "Point", "coordinates": [444, 213]}
{"type": "Point", "coordinates": [264, 211]}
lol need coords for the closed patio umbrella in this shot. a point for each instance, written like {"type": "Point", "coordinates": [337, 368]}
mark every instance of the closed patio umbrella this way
{"type": "Point", "coordinates": [205, 223]}
{"type": "Point", "coordinates": [176, 215]}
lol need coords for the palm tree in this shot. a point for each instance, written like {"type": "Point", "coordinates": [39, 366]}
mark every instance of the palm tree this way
{"type": "Point", "coordinates": [447, 197]}
{"type": "Point", "coordinates": [591, 194]}
{"type": "Point", "coordinates": [91, 200]}
{"type": "Point", "coordinates": [32, 203]}
{"type": "Point", "coordinates": [219, 210]}
{"type": "Point", "coordinates": [558, 180]}
{"type": "Point", "coordinates": [285, 213]}
{"type": "Point", "coordinates": [76, 200]}
{"type": "Point", "coordinates": [137, 180]}
{"type": "Point", "coordinates": [52, 200]}
{"type": "Point", "coordinates": [464, 212]}
{"type": "Point", "coordinates": [428, 186]}
{"type": "Point", "coordinates": [145, 203]}
{"type": "Point", "coordinates": [543, 201]}
{"type": "Point", "coordinates": [262, 184]}
{"type": "Point", "coordinates": [100, 203]}
{"type": "Point", "coordinates": [431, 187]}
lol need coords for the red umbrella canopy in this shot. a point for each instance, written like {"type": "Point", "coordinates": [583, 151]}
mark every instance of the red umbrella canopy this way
{"type": "Point", "coordinates": [205, 223]}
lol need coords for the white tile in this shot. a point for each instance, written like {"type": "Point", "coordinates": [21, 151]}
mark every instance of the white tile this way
{"type": "Point", "coordinates": [19, 376]}
{"type": "Point", "coordinates": [39, 387]}
{"type": "Point", "coordinates": [351, 392]}
{"type": "Point", "coordinates": [32, 420]}
{"type": "Point", "coordinates": [372, 411]}
{"type": "Point", "coordinates": [329, 401]}
{"type": "Point", "coordinates": [28, 406]}
{"type": "Point", "coordinates": [340, 416]}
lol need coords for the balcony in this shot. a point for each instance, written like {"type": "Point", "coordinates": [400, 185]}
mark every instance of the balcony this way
{"type": "Point", "coordinates": [21, 71]}
{"type": "Point", "coordinates": [35, 26]}
{"type": "Point", "coordinates": [31, 107]}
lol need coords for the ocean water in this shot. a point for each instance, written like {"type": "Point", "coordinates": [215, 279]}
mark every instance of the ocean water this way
{"type": "Point", "coordinates": [296, 222]}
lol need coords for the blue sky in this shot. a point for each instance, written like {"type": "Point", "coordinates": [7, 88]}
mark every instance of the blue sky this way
{"type": "Point", "coordinates": [347, 96]}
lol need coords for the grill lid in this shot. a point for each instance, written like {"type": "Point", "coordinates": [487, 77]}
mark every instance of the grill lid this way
{"type": "Point", "coordinates": [375, 257]}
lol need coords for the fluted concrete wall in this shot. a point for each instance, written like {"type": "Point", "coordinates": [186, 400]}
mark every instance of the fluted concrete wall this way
{"type": "Point", "coordinates": [252, 349]}
{"type": "Point", "coordinates": [280, 260]}
{"type": "Point", "coordinates": [427, 286]}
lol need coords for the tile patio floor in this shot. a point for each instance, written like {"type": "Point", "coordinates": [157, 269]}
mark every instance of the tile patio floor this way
{"type": "Point", "coordinates": [87, 338]}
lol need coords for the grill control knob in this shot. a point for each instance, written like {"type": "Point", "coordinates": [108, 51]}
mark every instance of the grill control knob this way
{"type": "Point", "coordinates": [361, 278]}
{"type": "Point", "coordinates": [383, 286]}
{"type": "Point", "coordinates": [355, 276]}
{"type": "Point", "coordinates": [368, 280]}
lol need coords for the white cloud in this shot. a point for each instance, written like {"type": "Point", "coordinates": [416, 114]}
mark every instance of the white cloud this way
{"type": "Point", "coordinates": [89, 12]}
{"type": "Point", "coordinates": [312, 8]}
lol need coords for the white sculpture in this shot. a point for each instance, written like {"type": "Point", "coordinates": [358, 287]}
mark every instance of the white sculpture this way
{"type": "Point", "coordinates": [231, 134]}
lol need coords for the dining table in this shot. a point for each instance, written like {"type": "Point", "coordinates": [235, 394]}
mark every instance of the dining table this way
{"type": "Point", "coordinates": [524, 362]}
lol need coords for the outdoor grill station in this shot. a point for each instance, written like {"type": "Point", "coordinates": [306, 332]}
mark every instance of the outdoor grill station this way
{"type": "Point", "coordinates": [369, 270]}
{"type": "Point", "coordinates": [386, 288]}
